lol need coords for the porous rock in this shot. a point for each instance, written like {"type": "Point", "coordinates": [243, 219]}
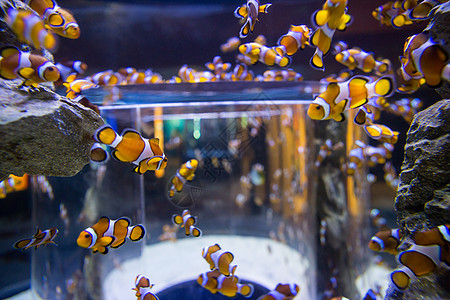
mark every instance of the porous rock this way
{"type": "Point", "coordinates": [43, 133]}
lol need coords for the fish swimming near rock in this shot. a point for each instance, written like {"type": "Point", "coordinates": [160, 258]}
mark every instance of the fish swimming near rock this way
{"type": "Point", "coordinates": [353, 93]}
{"type": "Point", "coordinates": [249, 12]}
{"type": "Point", "coordinates": [424, 58]}
{"type": "Point", "coordinates": [187, 221]}
{"type": "Point", "coordinates": [357, 58]}
{"type": "Point", "coordinates": [132, 147]}
{"type": "Point", "coordinates": [109, 233]}
{"type": "Point", "coordinates": [386, 241]}
{"type": "Point", "coordinates": [40, 238]}
{"type": "Point", "coordinates": [184, 174]}
{"type": "Point", "coordinates": [215, 282]}
{"type": "Point", "coordinates": [69, 67]}
{"type": "Point", "coordinates": [29, 29]}
{"type": "Point", "coordinates": [219, 259]}
{"type": "Point", "coordinates": [282, 291]}
{"type": "Point", "coordinates": [330, 18]}
{"type": "Point", "coordinates": [143, 287]}
{"type": "Point", "coordinates": [13, 184]}
{"type": "Point", "coordinates": [33, 68]}
{"type": "Point", "coordinates": [74, 87]}
{"type": "Point", "coordinates": [429, 249]}
{"type": "Point", "coordinates": [57, 19]}
{"type": "Point", "coordinates": [297, 37]}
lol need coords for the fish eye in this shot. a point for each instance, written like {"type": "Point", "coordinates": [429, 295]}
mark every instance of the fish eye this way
{"type": "Point", "coordinates": [317, 107]}
{"type": "Point", "coordinates": [86, 236]}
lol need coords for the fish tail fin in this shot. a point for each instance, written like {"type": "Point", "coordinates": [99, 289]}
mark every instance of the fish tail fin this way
{"type": "Point", "coordinates": [383, 87]}
{"type": "Point", "coordinates": [22, 244]}
{"type": "Point", "coordinates": [241, 12]}
{"type": "Point", "coordinates": [280, 50]}
{"type": "Point", "coordinates": [105, 134]}
{"type": "Point", "coordinates": [402, 277]}
{"type": "Point", "coordinates": [317, 60]}
{"type": "Point", "coordinates": [246, 290]}
{"type": "Point", "coordinates": [98, 154]}
{"type": "Point", "coordinates": [245, 29]}
{"type": "Point", "coordinates": [137, 232]}
{"type": "Point", "coordinates": [264, 8]}
{"type": "Point", "coordinates": [195, 231]}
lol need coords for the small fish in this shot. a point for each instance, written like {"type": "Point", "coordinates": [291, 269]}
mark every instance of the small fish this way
{"type": "Point", "coordinates": [249, 12]}
{"type": "Point", "coordinates": [44, 186]}
{"type": "Point", "coordinates": [424, 58]}
{"type": "Point", "coordinates": [143, 287]}
{"type": "Point", "coordinates": [185, 173]}
{"type": "Point", "coordinates": [231, 44]}
{"type": "Point", "coordinates": [282, 291]}
{"type": "Point", "coordinates": [429, 249]}
{"type": "Point", "coordinates": [29, 29]}
{"type": "Point", "coordinates": [33, 68]}
{"type": "Point", "coordinates": [393, 14]}
{"type": "Point", "coordinates": [230, 287]}
{"type": "Point", "coordinates": [386, 241]}
{"type": "Point", "coordinates": [260, 39]}
{"type": "Point", "coordinates": [187, 221]}
{"type": "Point", "coordinates": [282, 75]}
{"type": "Point", "coordinates": [381, 132]}
{"type": "Point", "coordinates": [297, 37]}
{"type": "Point", "coordinates": [270, 57]}
{"type": "Point", "coordinates": [378, 220]}
{"type": "Point", "coordinates": [169, 233]}
{"type": "Point", "coordinates": [219, 259]}
{"type": "Point", "coordinates": [218, 66]}
{"type": "Point", "coordinates": [332, 16]}
{"type": "Point", "coordinates": [357, 58]}
{"type": "Point", "coordinates": [132, 147]}
{"type": "Point", "coordinates": [341, 96]}
{"type": "Point", "coordinates": [108, 232]}
{"type": "Point", "coordinates": [57, 19]}
{"type": "Point", "coordinates": [69, 67]}
{"type": "Point", "coordinates": [13, 184]}
{"type": "Point", "coordinates": [108, 77]}
{"type": "Point", "coordinates": [241, 72]}
{"type": "Point", "coordinates": [74, 87]}
{"type": "Point", "coordinates": [40, 238]}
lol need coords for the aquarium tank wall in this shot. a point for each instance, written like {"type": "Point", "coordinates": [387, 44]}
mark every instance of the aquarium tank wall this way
{"type": "Point", "coordinates": [217, 149]}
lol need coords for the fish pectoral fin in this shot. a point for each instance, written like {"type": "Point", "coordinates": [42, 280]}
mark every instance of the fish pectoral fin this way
{"type": "Point", "coordinates": [119, 244]}
{"type": "Point", "coordinates": [358, 103]}
{"type": "Point", "coordinates": [345, 21]}
{"type": "Point", "coordinates": [26, 72]}
{"type": "Point", "coordinates": [152, 163]}
{"type": "Point", "coordinates": [314, 39]}
{"type": "Point", "coordinates": [106, 241]}
{"type": "Point", "coordinates": [321, 17]}
{"type": "Point", "coordinates": [241, 12]}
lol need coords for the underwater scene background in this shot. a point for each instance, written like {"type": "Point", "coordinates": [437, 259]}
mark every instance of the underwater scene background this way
{"type": "Point", "coordinates": [272, 186]}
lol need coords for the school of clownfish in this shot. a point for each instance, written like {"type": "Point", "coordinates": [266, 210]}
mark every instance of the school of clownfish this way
{"type": "Point", "coordinates": [423, 61]}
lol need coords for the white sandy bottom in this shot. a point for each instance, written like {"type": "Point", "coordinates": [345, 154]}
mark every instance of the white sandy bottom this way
{"type": "Point", "coordinates": [261, 260]}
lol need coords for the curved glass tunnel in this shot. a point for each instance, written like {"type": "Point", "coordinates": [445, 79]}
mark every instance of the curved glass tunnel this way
{"type": "Point", "coordinates": [256, 194]}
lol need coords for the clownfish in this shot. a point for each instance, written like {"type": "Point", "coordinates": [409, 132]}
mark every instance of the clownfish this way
{"type": "Point", "coordinates": [332, 16]}
{"type": "Point", "coordinates": [249, 12]}
{"type": "Point", "coordinates": [69, 67]}
{"type": "Point", "coordinates": [341, 96]}
{"type": "Point", "coordinates": [57, 19]}
{"type": "Point", "coordinates": [381, 132]}
{"type": "Point", "coordinates": [106, 78]}
{"type": "Point", "coordinates": [282, 292]}
{"type": "Point", "coordinates": [143, 287]}
{"type": "Point", "coordinates": [215, 282]}
{"type": "Point", "coordinates": [40, 238]}
{"type": "Point", "coordinates": [241, 72]}
{"type": "Point", "coordinates": [395, 14]}
{"type": "Point", "coordinates": [187, 221]}
{"type": "Point", "coordinates": [423, 58]}
{"type": "Point", "coordinates": [219, 259]}
{"type": "Point", "coordinates": [185, 173]}
{"type": "Point", "coordinates": [282, 75]}
{"type": "Point", "coordinates": [250, 50]}
{"type": "Point", "coordinates": [32, 68]}
{"type": "Point", "coordinates": [108, 232]}
{"type": "Point", "coordinates": [29, 29]}
{"type": "Point", "coordinates": [357, 58]}
{"type": "Point", "coordinates": [297, 37]}
{"type": "Point", "coordinates": [74, 86]}
{"type": "Point", "coordinates": [386, 241]}
{"type": "Point", "coordinates": [429, 249]}
{"type": "Point", "coordinates": [218, 66]}
{"type": "Point", "coordinates": [231, 44]}
{"type": "Point", "coordinates": [270, 57]}
{"type": "Point", "coordinates": [13, 184]}
{"type": "Point", "coordinates": [132, 147]}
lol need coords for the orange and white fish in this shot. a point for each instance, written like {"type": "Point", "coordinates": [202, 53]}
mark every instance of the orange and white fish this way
{"type": "Point", "coordinates": [231, 44]}
{"type": "Point", "coordinates": [29, 29]}
{"type": "Point", "coordinates": [282, 75]}
{"type": "Point", "coordinates": [330, 18]}
{"type": "Point", "coordinates": [219, 259]}
{"type": "Point", "coordinates": [250, 50]}
{"type": "Point", "coordinates": [69, 67]}
{"type": "Point", "coordinates": [74, 87]}
{"type": "Point", "coordinates": [282, 292]}
{"type": "Point", "coordinates": [185, 173]}
{"type": "Point", "coordinates": [386, 241]}
{"type": "Point", "coordinates": [429, 249]}
{"type": "Point", "coordinates": [132, 147]}
{"type": "Point", "coordinates": [230, 287]}
{"type": "Point", "coordinates": [108, 232]}
{"type": "Point", "coordinates": [297, 37]}
{"type": "Point", "coordinates": [40, 238]}
{"type": "Point", "coordinates": [270, 57]}
{"type": "Point", "coordinates": [241, 72]}
{"type": "Point", "coordinates": [423, 58]}
{"type": "Point", "coordinates": [57, 19]}
{"type": "Point", "coordinates": [249, 12]}
{"type": "Point", "coordinates": [108, 77]}
{"type": "Point", "coordinates": [13, 184]}
{"type": "Point", "coordinates": [353, 93]}
{"type": "Point", "coordinates": [358, 58]}
{"type": "Point", "coordinates": [218, 66]}
{"type": "Point", "coordinates": [187, 221]}
{"type": "Point", "coordinates": [143, 287]}
{"type": "Point", "coordinates": [393, 13]}
{"type": "Point", "coordinates": [381, 132]}
{"type": "Point", "coordinates": [33, 68]}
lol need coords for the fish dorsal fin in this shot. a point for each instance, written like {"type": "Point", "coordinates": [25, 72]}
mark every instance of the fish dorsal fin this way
{"type": "Point", "coordinates": [122, 222]}
{"type": "Point", "coordinates": [71, 77]}
{"type": "Point", "coordinates": [241, 12]}
{"type": "Point", "coordinates": [50, 3]}
{"type": "Point", "coordinates": [103, 221]}
{"type": "Point", "coordinates": [8, 51]}
{"type": "Point", "coordinates": [321, 17]}
{"type": "Point", "coordinates": [154, 144]}
{"type": "Point", "coordinates": [38, 232]}
{"type": "Point", "coordinates": [131, 134]}
{"type": "Point", "coordinates": [345, 20]}
{"type": "Point", "coordinates": [55, 20]}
